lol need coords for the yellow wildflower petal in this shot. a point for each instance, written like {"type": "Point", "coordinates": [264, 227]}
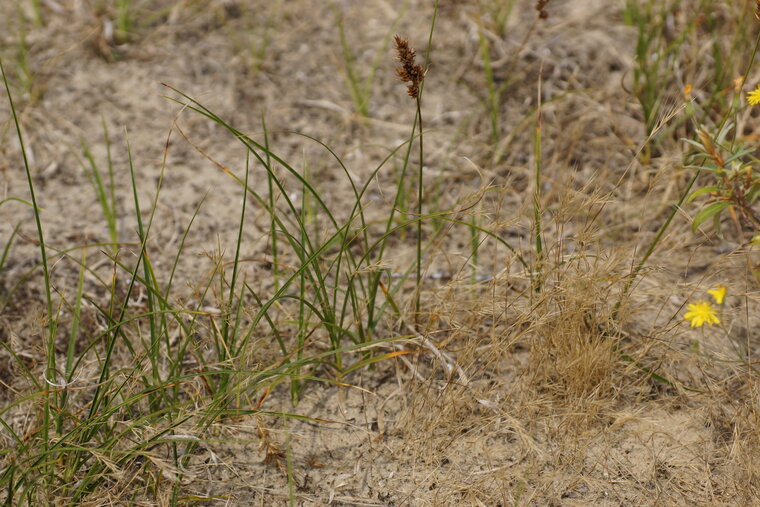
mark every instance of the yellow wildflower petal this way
{"type": "Point", "coordinates": [718, 293]}
{"type": "Point", "coordinates": [753, 97]}
{"type": "Point", "coordinates": [701, 313]}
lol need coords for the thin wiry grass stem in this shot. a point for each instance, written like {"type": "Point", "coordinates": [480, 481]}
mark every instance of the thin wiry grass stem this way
{"type": "Point", "coordinates": [51, 322]}
{"type": "Point", "coordinates": [650, 249]}
{"type": "Point", "coordinates": [420, 195]}
{"type": "Point", "coordinates": [537, 192]}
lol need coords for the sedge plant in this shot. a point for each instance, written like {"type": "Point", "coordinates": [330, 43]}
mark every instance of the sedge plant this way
{"type": "Point", "coordinates": [139, 391]}
{"type": "Point", "coordinates": [136, 393]}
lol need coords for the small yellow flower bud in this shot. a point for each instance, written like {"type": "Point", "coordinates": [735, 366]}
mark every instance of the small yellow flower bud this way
{"type": "Point", "coordinates": [718, 293]}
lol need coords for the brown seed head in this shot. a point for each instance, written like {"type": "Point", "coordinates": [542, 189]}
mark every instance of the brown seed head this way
{"type": "Point", "coordinates": [409, 72]}
{"type": "Point", "coordinates": [541, 8]}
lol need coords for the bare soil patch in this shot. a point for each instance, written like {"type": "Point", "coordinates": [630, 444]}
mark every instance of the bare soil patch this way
{"type": "Point", "coordinates": [548, 413]}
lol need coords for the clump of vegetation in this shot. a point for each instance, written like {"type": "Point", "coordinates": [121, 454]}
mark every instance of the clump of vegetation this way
{"type": "Point", "coordinates": [524, 305]}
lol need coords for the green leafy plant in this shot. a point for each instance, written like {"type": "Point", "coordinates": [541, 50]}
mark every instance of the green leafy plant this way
{"type": "Point", "coordinates": [26, 77]}
{"type": "Point", "coordinates": [174, 384]}
{"type": "Point", "coordinates": [360, 87]}
{"type": "Point", "coordinates": [670, 60]}
{"type": "Point", "coordinates": [105, 189]}
{"type": "Point", "coordinates": [735, 181]}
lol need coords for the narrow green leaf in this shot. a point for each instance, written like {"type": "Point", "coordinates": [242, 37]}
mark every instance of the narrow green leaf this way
{"type": "Point", "coordinates": [707, 213]}
{"type": "Point", "coordinates": [700, 191]}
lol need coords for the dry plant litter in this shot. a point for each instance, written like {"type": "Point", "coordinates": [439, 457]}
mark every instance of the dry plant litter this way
{"type": "Point", "coordinates": [239, 269]}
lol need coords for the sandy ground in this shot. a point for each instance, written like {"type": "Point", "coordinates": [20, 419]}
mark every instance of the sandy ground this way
{"type": "Point", "coordinates": [540, 421]}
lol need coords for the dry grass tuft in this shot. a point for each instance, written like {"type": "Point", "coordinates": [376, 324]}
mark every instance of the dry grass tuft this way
{"type": "Point", "coordinates": [571, 355]}
{"type": "Point", "coordinates": [744, 443]}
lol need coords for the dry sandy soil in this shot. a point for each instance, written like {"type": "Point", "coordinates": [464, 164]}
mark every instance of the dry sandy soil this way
{"type": "Point", "coordinates": [546, 412]}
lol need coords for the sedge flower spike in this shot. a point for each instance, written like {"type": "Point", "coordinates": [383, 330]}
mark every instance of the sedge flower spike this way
{"type": "Point", "coordinates": [753, 97]}
{"type": "Point", "coordinates": [718, 293]}
{"type": "Point", "coordinates": [409, 71]}
{"type": "Point", "coordinates": [701, 313]}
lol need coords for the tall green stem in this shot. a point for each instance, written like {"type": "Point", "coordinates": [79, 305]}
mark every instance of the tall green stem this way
{"type": "Point", "coordinates": [50, 373]}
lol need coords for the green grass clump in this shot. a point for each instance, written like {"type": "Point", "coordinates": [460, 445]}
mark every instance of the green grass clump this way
{"type": "Point", "coordinates": [361, 86]}
{"type": "Point", "coordinates": [143, 388]}
{"type": "Point", "coordinates": [136, 394]}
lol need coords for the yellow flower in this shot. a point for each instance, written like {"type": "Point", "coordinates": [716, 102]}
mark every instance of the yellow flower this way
{"type": "Point", "coordinates": [718, 293]}
{"type": "Point", "coordinates": [753, 97]}
{"type": "Point", "coordinates": [701, 313]}
{"type": "Point", "coordinates": [687, 92]}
